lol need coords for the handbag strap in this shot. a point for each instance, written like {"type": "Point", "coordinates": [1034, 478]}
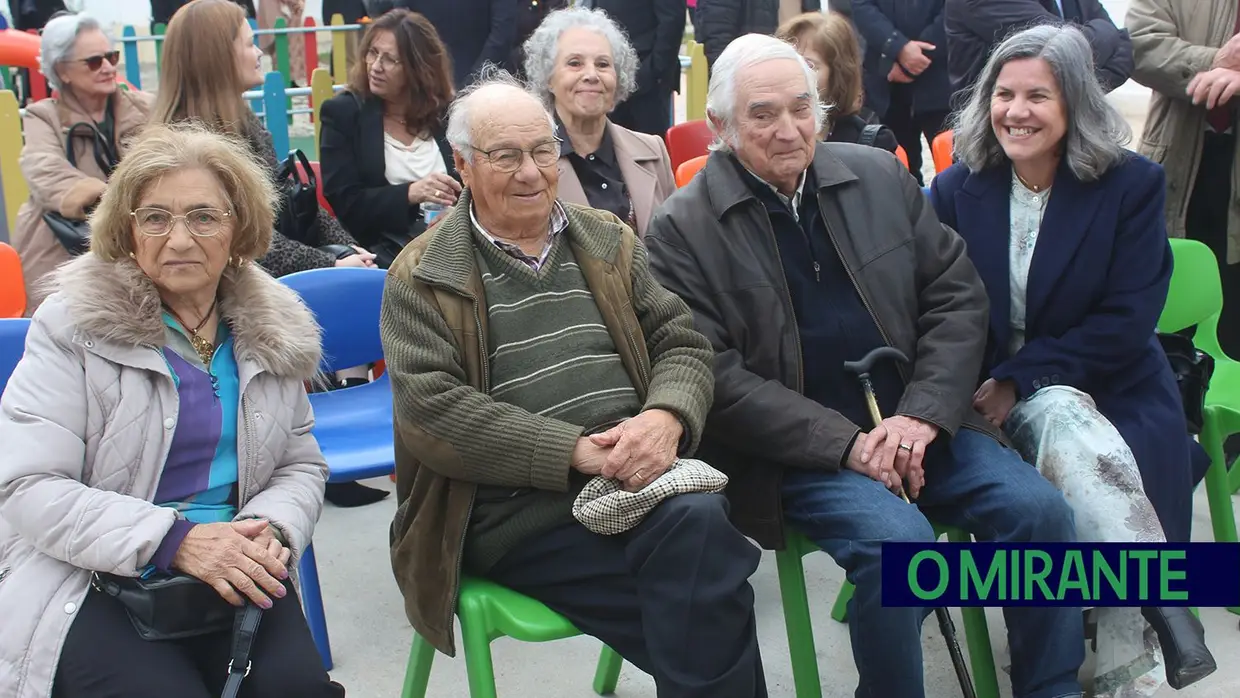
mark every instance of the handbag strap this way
{"type": "Point", "coordinates": [244, 631]}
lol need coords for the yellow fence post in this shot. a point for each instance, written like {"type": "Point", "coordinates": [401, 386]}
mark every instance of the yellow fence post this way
{"type": "Point", "coordinates": [320, 91]}
{"type": "Point", "coordinates": [16, 191]}
{"type": "Point", "coordinates": [699, 80]}
{"type": "Point", "coordinates": [340, 51]}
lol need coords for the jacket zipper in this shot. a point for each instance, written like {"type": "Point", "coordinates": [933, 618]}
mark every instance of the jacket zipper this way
{"type": "Point", "coordinates": [244, 489]}
{"type": "Point", "coordinates": [796, 335]}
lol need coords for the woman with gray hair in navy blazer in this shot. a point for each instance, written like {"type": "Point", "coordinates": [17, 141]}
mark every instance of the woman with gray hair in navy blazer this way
{"type": "Point", "coordinates": [1066, 229]}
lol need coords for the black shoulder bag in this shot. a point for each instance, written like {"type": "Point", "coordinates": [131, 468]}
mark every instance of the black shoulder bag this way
{"type": "Point", "coordinates": [1193, 369]}
{"type": "Point", "coordinates": [73, 233]}
{"type": "Point", "coordinates": [166, 606]}
{"type": "Point", "coordinates": [299, 201]}
{"type": "Point", "coordinates": [869, 134]}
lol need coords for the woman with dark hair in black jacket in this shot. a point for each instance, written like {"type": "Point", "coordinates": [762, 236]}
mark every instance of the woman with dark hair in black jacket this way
{"type": "Point", "coordinates": [386, 163]}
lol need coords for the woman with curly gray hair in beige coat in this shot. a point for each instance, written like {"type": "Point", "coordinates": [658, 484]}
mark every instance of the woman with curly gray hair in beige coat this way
{"type": "Point", "coordinates": [157, 429]}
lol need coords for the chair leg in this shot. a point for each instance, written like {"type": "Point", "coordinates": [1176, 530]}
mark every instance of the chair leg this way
{"type": "Point", "coordinates": [981, 656]}
{"type": "Point", "coordinates": [418, 671]}
{"type": "Point", "coordinates": [1233, 476]}
{"type": "Point", "coordinates": [1218, 493]}
{"type": "Point", "coordinates": [478, 666]}
{"type": "Point", "coordinates": [312, 604]}
{"type": "Point", "coordinates": [798, 623]}
{"type": "Point", "coordinates": [839, 611]}
{"type": "Point", "coordinates": [607, 675]}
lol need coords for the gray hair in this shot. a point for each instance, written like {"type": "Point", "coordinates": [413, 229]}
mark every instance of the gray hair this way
{"type": "Point", "coordinates": [459, 119]}
{"type": "Point", "coordinates": [745, 52]}
{"type": "Point", "coordinates": [1096, 131]}
{"type": "Point", "coordinates": [542, 48]}
{"type": "Point", "coordinates": [59, 38]}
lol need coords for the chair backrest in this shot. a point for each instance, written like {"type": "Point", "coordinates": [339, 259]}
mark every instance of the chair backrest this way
{"type": "Point", "coordinates": [941, 151]}
{"type": "Point", "coordinates": [345, 301]}
{"type": "Point", "coordinates": [12, 284]}
{"type": "Point", "coordinates": [12, 346]}
{"type": "Point", "coordinates": [902, 156]}
{"type": "Point", "coordinates": [688, 168]}
{"type": "Point", "coordinates": [687, 140]}
{"type": "Point", "coordinates": [318, 183]}
{"type": "Point", "coordinates": [1196, 294]}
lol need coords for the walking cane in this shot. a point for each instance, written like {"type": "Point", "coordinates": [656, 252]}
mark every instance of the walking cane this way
{"type": "Point", "coordinates": [861, 369]}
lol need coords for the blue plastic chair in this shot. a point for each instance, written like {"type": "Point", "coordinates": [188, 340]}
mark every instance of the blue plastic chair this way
{"type": "Point", "coordinates": [12, 346]}
{"type": "Point", "coordinates": [352, 425]}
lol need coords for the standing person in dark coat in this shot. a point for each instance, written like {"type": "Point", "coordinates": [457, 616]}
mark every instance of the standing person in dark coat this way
{"type": "Point", "coordinates": [656, 29]}
{"type": "Point", "coordinates": [162, 10]}
{"type": "Point", "coordinates": [352, 11]}
{"type": "Point", "coordinates": [530, 14]}
{"type": "Point", "coordinates": [974, 27]}
{"type": "Point", "coordinates": [476, 32]}
{"type": "Point", "coordinates": [720, 21]}
{"type": "Point", "coordinates": [906, 78]}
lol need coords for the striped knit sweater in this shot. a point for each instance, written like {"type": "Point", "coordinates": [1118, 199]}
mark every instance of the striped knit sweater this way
{"type": "Point", "coordinates": [550, 354]}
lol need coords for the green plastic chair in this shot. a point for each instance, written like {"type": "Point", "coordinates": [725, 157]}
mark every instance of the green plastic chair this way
{"type": "Point", "coordinates": [1196, 298]}
{"type": "Point", "coordinates": [489, 611]}
{"type": "Point", "coordinates": [801, 649]}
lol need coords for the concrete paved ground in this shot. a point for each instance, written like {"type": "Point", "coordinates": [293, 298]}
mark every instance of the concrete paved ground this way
{"type": "Point", "coordinates": [370, 636]}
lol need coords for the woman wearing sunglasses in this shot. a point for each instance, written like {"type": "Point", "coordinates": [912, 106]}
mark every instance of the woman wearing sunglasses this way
{"type": "Point", "coordinates": [87, 117]}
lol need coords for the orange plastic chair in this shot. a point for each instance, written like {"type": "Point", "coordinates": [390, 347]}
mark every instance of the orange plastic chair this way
{"type": "Point", "coordinates": [941, 151]}
{"type": "Point", "coordinates": [12, 285]}
{"type": "Point", "coordinates": [688, 140]}
{"type": "Point", "coordinates": [318, 183]}
{"type": "Point", "coordinates": [688, 168]}
{"type": "Point", "coordinates": [902, 156]}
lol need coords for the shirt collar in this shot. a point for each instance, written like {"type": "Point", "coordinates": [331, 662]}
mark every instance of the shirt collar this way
{"type": "Point", "coordinates": [606, 150]}
{"type": "Point", "coordinates": [557, 224]}
{"type": "Point", "coordinates": [793, 203]}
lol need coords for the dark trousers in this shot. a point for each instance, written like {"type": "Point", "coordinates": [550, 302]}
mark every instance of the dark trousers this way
{"type": "Point", "coordinates": [1206, 221]}
{"type": "Point", "coordinates": [103, 657]}
{"type": "Point", "coordinates": [670, 595]}
{"type": "Point", "coordinates": [910, 126]}
{"type": "Point", "coordinates": [648, 112]}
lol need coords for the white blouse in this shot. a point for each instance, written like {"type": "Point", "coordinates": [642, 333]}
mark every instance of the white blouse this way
{"type": "Point", "coordinates": [409, 163]}
{"type": "Point", "coordinates": [1026, 219]}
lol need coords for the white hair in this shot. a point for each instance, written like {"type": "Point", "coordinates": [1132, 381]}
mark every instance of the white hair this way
{"type": "Point", "coordinates": [745, 52]}
{"type": "Point", "coordinates": [459, 120]}
{"type": "Point", "coordinates": [59, 38]}
{"type": "Point", "coordinates": [543, 46]}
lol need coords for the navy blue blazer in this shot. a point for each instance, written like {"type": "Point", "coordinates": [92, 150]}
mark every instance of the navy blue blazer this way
{"type": "Point", "coordinates": [1097, 285]}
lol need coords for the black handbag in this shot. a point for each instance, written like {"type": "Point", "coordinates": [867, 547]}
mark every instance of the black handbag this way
{"type": "Point", "coordinates": [175, 606]}
{"type": "Point", "coordinates": [299, 201]}
{"type": "Point", "coordinates": [73, 233]}
{"type": "Point", "coordinates": [1193, 369]}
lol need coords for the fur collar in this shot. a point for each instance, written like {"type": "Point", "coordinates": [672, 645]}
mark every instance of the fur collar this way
{"type": "Point", "coordinates": [117, 302]}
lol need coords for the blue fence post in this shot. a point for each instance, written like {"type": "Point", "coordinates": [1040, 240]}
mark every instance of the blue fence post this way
{"type": "Point", "coordinates": [274, 112]}
{"type": "Point", "coordinates": [133, 69]}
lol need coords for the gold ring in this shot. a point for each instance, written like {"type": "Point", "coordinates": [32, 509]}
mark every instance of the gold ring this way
{"type": "Point", "coordinates": [640, 475]}
{"type": "Point", "coordinates": [906, 447]}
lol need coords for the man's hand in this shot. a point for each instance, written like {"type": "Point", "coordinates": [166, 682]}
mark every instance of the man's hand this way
{"type": "Point", "coordinates": [897, 74]}
{"type": "Point", "coordinates": [913, 56]}
{"type": "Point", "coordinates": [899, 445]}
{"type": "Point", "coordinates": [642, 448]}
{"type": "Point", "coordinates": [995, 399]}
{"type": "Point", "coordinates": [589, 458]}
{"type": "Point", "coordinates": [266, 538]}
{"type": "Point", "coordinates": [1229, 55]}
{"type": "Point", "coordinates": [1214, 87]}
{"type": "Point", "coordinates": [871, 467]}
{"type": "Point", "coordinates": [224, 556]}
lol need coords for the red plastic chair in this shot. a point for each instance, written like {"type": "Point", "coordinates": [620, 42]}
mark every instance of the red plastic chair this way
{"type": "Point", "coordinates": [688, 140]}
{"type": "Point", "coordinates": [941, 151]}
{"type": "Point", "coordinates": [688, 168]}
{"type": "Point", "coordinates": [12, 285]}
{"type": "Point", "coordinates": [902, 156]}
{"type": "Point", "coordinates": [318, 183]}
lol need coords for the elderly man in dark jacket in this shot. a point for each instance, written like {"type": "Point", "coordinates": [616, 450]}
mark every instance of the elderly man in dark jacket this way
{"type": "Point", "coordinates": [974, 27]}
{"type": "Point", "coordinates": [906, 79]}
{"type": "Point", "coordinates": [795, 257]}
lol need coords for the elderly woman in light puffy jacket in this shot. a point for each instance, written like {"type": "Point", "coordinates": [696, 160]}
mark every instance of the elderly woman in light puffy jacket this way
{"type": "Point", "coordinates": [157, 426]}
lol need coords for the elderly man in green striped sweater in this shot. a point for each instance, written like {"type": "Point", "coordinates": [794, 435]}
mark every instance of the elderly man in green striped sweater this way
{"type": "Point", "coordinates": [531, 350]}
